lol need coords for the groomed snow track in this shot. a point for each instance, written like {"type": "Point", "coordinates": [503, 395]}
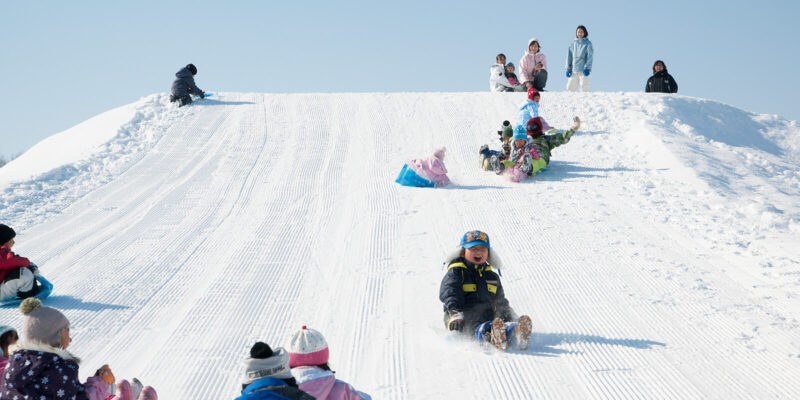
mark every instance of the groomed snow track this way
{"type": "Point", "coordinates": [657, 255]}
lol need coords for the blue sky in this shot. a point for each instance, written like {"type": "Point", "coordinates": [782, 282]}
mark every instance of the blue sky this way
{"type": "Point", "coordinates": [64, 62]}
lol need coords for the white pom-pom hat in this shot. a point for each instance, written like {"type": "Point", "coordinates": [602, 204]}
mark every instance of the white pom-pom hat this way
{"type": "Point", "coordinates": [307, 347]}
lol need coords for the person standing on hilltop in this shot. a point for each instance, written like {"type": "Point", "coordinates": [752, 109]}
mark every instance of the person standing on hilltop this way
{"type": "Point", "coordinates": [579, 61]}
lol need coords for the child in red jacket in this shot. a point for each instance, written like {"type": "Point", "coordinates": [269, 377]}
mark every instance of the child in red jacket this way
{"type": "Point", "coordinates": [16, 273]}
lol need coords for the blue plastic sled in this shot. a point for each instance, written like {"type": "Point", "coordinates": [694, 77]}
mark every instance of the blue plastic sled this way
{"type": "Point", "coordinates": [207, 95]}
{"type": "Point", "coordinates": [46, 289]}
{"type": "Point", "coordinates": [408, 177]}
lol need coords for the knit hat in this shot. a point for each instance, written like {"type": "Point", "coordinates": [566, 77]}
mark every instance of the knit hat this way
{"type": "Point", "coordinates": [263, 362]}
{"type": "Point", "coordinates": [534, 126]}
{"type": "Point", "coordinates": [439, 153]}
{"type": "Point", "coordinates": [6, 234]}
{"type": "Point", "coordinates": [41, 323]}
{"type": "Point", "coordinates": [307, 347]}
{"type": "Point", "coordinates": [531, 92]}
{"type": "Point", "coordinates": [475, 238]}
{"type": "Point", "coordinates": [192, 68]}
{"type": "Point", "coordinates": [507, 131]}
{"type": "Point", "coordinates": [521, 136]}
{"type": "Point", "coordinates": [510, 65]}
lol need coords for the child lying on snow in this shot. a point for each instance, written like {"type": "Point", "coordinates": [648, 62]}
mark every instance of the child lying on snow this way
{"type": "Point", "coordinates": [426, 172]}
{"type": "Point", "coordinates": [474, 300]}
{"type": "Point", "coordinates": [40, 366]}
{"type": "Point", "coordinates": [16, 273]}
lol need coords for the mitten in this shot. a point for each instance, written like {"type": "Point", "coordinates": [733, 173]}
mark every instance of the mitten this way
{"type": "Point", "coordinates": [576, 124]}
{"type": "Point", "coordinates": [569, 73]}
{"type": "Point", "coordinates": [203, 94]}
{"type": "Point", "coordinates": [455, 322]}
{"type": "Point", "coordinates": [586, 72]}
{"type": "Point", "coordinates": [105, 373]}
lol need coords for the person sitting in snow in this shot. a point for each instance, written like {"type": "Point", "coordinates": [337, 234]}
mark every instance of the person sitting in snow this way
{"type": "Point", "coordinates": [474, 299]}
{"type": "Point", "coordinates": [547, 142]}
{"type": "Point", "coordinates": [533, 66]}
{"type": "Point", "coordinates": [506, 132]}
{"type": "Point", "coordinates": [39, 365]}
{"type": "Point", "coordinates": [308, 358]}
{"type": "Point", "coordinates": [267, 375]}
{"type": "Point", "coordinates": [497, 76]}
{"type": "Point", "coordinates": [17, 274]}
{"type": "Point", "coordinates": [512, 78]}
{"type": "Point", "coordinates": [425, 172]}
{"type": "Point", "coordinates": [183, 86]}
{"type": "Point", "coordinates": [8, 336]}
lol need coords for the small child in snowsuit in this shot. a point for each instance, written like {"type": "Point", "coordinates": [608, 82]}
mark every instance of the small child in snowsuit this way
{"type": "Point", "coordinates": [8, 336]}
{"type": "Point", "coordinates": [506, 132]}
{"type": "Point", "coordinates": [17, 274]}
{"type": "Point", "coordinates": [267, 375]}
{"type": "Point", "coordinates": [474, 299]}
{"type": "Point", "coordinates": [527, 110]}
{"type": "Point", "coordinates": [512, 78]}
{"type": "Point", "coordinates": [308, 358]}
{"type": "Point", "coordinates": [431, 170]}
{"type": "Point", "coordinates": [183, 86]}
{"type": "Point", "coordinates": [39, 365]}
{"type": "Point", "coordinates": [546, 143]}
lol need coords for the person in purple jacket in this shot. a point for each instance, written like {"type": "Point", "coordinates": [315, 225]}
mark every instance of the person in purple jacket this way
{"type": "Point", "coordinates": [40, 366]}
{"type": "Point", "coordinates": [308, 358]}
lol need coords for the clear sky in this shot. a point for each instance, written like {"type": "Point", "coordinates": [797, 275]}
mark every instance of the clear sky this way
{"type": "Point", "coordinates": [62, 62]}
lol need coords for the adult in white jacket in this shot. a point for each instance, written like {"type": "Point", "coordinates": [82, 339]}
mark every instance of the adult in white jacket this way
{"type": "Point", "coordinates": [497, 76]}
{"type": "Point", "coordinates": [533, 66]}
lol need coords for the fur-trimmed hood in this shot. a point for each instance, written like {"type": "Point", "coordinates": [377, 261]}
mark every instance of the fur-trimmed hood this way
{"type": "Point", "coordinates": [45, 348]}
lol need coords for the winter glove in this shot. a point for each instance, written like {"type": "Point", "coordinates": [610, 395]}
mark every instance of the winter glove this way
{"type": "Point", "coordinates": [586, 72]}
{"type": "Point", "coordinates": [203, 94]}
{"type": "Point", "coordinates": [34, 268]}
{"type": "Point", "coordinates": [105, 373]}
{"type": "Point", "coordinates": [456, 321]}
{"type": "Point", "coordinates": [576, 124]}
{"type": "Point", "coordinates": [569, 73]}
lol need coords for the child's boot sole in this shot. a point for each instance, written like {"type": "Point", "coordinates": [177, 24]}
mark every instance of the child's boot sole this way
{"type": "Point", "coordinates": [524, 330]}
{"type": "Point", "coordinates": [499, 339]}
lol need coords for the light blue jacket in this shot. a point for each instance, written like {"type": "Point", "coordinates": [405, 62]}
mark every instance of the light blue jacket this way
{"type": "Point", "coordinates": [580, 55]}
{"type": "Point", "coordinates": [527, 110]}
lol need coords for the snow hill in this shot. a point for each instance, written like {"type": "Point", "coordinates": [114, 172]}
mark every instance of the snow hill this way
{"type": "Point", "coordinates": [658, 255]}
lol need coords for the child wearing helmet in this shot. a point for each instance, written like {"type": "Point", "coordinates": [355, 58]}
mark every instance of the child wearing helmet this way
{"type": "Point", "coordinates": [474, 299]}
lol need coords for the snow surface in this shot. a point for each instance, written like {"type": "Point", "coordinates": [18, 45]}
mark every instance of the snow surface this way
{"type": "Point", "coordinates": [658, 255]}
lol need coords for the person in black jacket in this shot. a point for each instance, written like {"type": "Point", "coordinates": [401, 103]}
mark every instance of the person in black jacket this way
{"type": "Point", "coordinates": [184, 86]}
{"type": "Point", "coordinates": [661, 81]}
{"type": "Point", "coordinates": [474, 299]}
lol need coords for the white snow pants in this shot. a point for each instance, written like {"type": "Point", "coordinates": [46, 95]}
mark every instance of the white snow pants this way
{"type": "Point", "coordinates": [17, 281]}
{"type": "Point", "coordinates": [572, 82]}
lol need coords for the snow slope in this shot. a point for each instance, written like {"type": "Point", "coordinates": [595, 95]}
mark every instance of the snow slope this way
{"type": "Point", "coordinates": [657, 255]}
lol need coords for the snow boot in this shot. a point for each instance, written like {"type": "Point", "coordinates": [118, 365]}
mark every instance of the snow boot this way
{"type": "Point", "coordinates": [523, 332]}
{"type": "Point", "coordinates": [137, 387]}
{"type": "Point", "coordinates": [527, 164]}
{"type": "Point", "coordinates": [482, 158]}
{"type": "Point", "coordinates": [576, 124]}
{"type": "Point", "coordinates": [496, 165]}
{"type": "Point", "coordinates": [498, 337]}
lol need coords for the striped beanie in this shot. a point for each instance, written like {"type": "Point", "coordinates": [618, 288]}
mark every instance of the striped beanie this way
{"type": "Point", "coordinates": [307, 347]}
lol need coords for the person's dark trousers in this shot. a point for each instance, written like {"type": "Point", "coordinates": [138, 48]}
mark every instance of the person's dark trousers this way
{"type": "Point", "coordinates": [182, 100]}
{"type": "Point", "coordinates": [540, 80]}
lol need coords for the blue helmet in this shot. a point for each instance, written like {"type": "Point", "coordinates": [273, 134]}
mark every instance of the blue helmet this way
{"type": "Point", "coordinates": [475, 238]}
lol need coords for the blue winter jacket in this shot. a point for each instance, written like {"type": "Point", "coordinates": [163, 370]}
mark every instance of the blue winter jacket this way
{"type": "Point", "coordinates": [272, 388]}
{"type": "Point", "coordinates": [580, 55]}
{"type": "Point", "coordinates": [527, 110]}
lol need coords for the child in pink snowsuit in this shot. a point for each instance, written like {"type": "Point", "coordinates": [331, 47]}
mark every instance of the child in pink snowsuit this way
{"type": "Point", "coordinates": [308, 358]}
{"type": "Point", "coordinates": [432, 168]}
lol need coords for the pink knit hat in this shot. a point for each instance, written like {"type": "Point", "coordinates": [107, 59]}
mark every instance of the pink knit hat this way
{"type": "Point", "coordinates": [307, 347]}
{"type": "Point", "coordinates": [439, 153]}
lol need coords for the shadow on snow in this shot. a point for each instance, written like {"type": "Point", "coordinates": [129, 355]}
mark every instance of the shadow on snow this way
{"type": "Point", "coordinates": [544, 344]}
